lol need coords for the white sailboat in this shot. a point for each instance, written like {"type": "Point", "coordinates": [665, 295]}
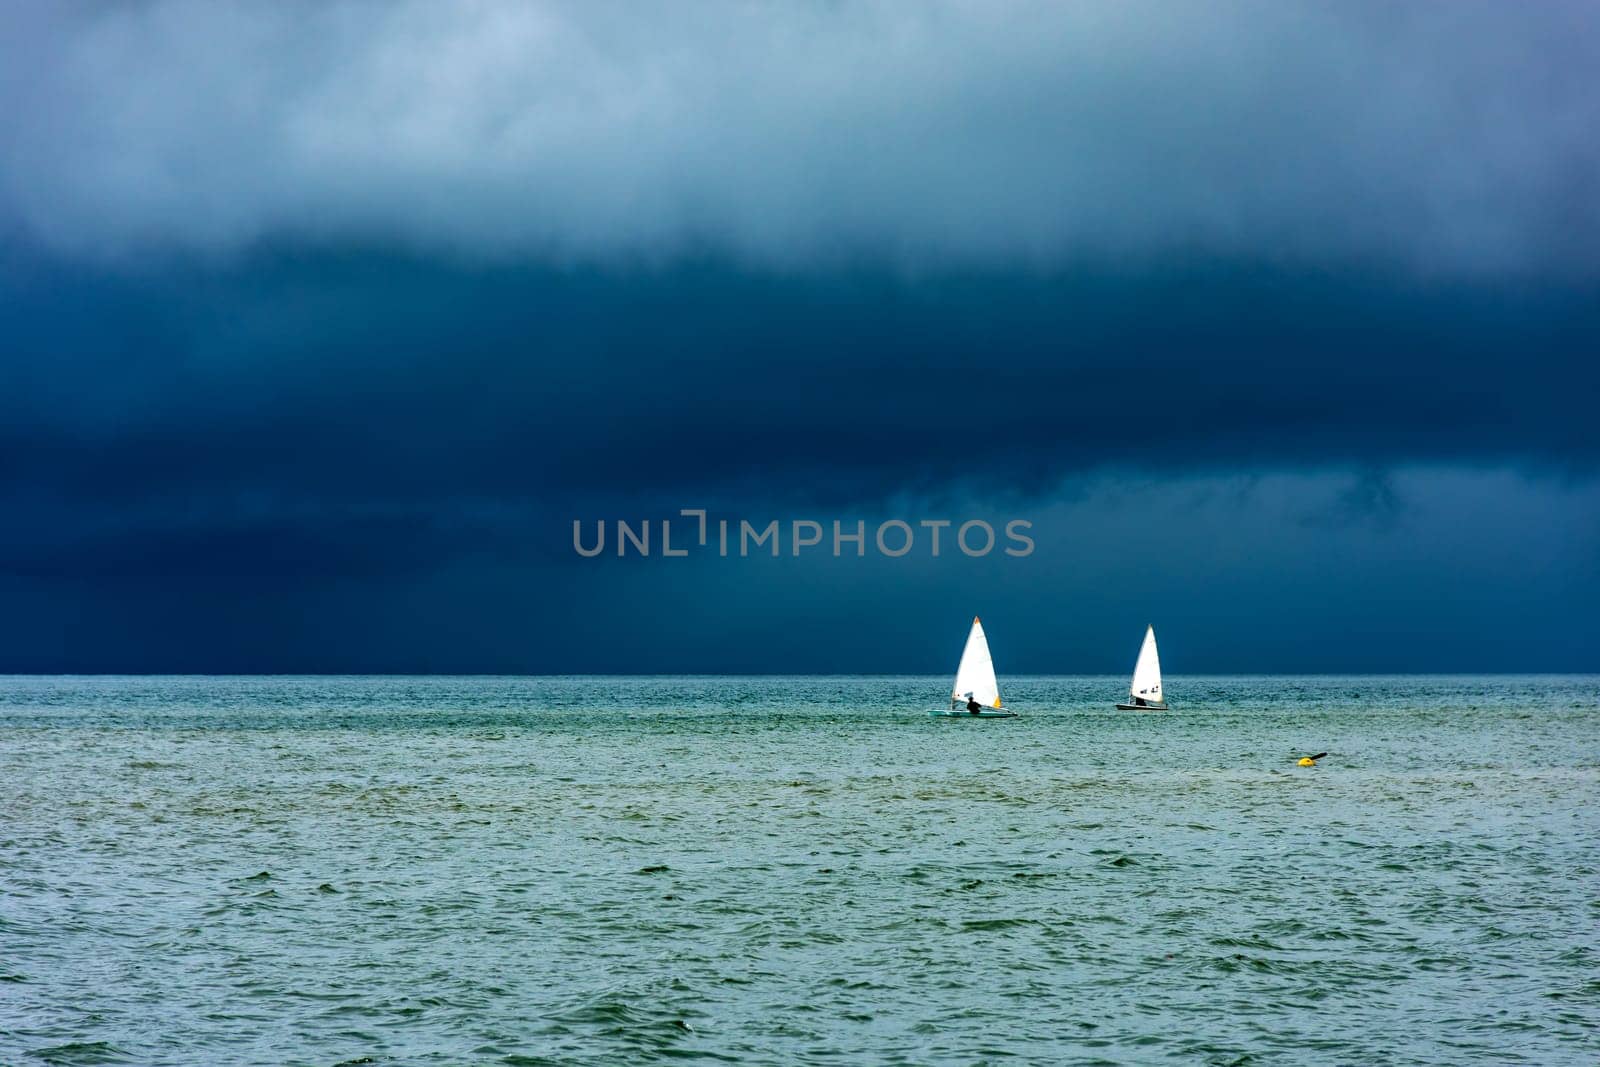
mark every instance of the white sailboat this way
{"type": "Point", "coordinates": [976, 694]}
{"type": "Point", "coordinates": [1145, 692]}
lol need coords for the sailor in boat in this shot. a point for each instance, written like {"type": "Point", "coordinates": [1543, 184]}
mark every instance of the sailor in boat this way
{"type": "Point", "coordinates": [973, 707]}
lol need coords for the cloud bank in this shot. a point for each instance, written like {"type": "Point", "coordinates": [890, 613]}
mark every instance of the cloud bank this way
{"type": "Point", "coordinates": [322, 321]}
{"type": "Point", "coordinates": [349, 415]}
{"type": "Point", "coordinates": [1453, 138]}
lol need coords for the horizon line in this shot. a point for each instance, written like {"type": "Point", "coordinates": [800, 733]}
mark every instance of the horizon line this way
{"type": "Point", "coordinates": [790, 674]}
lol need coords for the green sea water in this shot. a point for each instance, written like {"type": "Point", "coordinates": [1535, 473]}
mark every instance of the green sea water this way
{"type": "Point", "coordinates": [797, 870]}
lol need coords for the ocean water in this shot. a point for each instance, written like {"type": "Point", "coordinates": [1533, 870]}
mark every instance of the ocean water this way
{"type": "Point", "coordinates": [797, 870]}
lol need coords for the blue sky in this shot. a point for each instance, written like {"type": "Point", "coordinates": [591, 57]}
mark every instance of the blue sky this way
{"type": "Point", "coordinates": [321, 325]}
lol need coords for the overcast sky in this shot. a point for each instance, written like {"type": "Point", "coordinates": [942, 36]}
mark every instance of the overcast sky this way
{"type": "Point", "coordinates": [1441, 137]}
{"type": "Point", "coordinates": [321, 323]}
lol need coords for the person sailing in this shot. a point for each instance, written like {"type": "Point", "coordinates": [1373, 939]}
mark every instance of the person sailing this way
{"type": "Point", "coordinates": [973, 707]}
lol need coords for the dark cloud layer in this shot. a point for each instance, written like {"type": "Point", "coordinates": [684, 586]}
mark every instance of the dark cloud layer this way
{"type": "Point", "coordinates": [312, 393]}
{"type": "Point", "coordinates": [1478, 572]}
{"type": "Point", "coordinates": [1442, 138]}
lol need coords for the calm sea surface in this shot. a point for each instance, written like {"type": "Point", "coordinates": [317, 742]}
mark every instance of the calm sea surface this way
{"type": "Point", "coordinates": [797, 870]}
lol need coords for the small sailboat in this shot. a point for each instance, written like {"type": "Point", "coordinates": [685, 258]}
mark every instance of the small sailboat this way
{"type": "Point", "coordinates": [1145, 692]}
{"type": "Point", "coordinates": [976, 694]}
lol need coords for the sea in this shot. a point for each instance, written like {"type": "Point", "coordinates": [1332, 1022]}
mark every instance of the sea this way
{"type": "Point", "coordinates": [797, 870]}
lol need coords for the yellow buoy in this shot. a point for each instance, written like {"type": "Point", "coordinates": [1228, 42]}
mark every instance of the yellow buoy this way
{"type": "Point", "coordinates": [1307, 761]}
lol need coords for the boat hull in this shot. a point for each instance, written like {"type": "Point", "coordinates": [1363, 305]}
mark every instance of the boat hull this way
{"type": "Point", "coordinates": [986, 713]}
{"type": "Point", "coordinates": [1141, 707]}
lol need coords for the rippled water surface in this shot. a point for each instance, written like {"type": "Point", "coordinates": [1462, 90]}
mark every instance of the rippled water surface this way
{"type": "Point", "coordinates": [602, 870]}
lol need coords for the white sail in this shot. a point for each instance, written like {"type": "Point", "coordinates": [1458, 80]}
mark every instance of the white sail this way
{"type": "Point", "coordinates": [975, 676]}
{"type": "Point", "coordinates": [1147, 672]}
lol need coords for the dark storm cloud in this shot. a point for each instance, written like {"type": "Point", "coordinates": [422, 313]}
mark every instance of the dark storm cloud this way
{"type": "Point", "coordinates": [352, 398]}
{"type": "Point", "coordinates": [1481, 571]}
{"type": "Point", "coordinates": [1446, 137]}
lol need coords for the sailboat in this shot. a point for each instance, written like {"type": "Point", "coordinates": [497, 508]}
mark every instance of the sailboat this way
{"type": "Point", "coordinates": [975, 681]}
{"type": "Point", "coordinates": [1145, 692]}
